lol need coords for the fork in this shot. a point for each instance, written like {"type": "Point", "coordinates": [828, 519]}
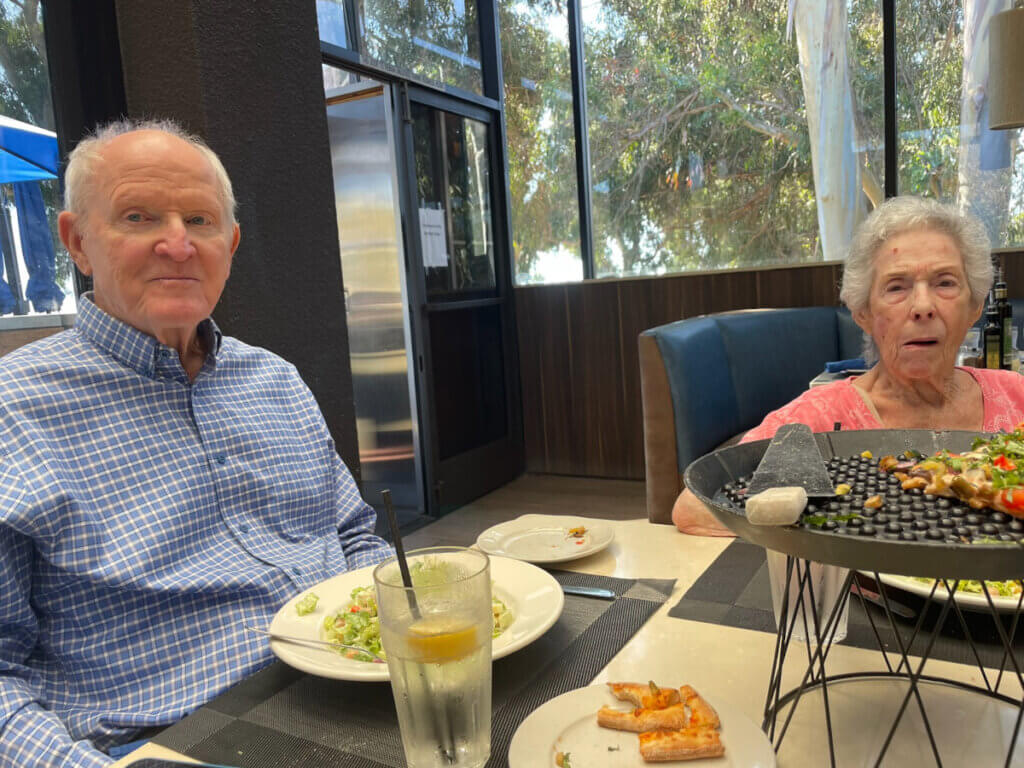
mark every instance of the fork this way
{"type": "Point", "coordinates": [307, 641]}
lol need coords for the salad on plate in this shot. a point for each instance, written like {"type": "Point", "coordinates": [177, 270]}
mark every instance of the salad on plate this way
{"type": "Point", "coordinates": [357, 623]}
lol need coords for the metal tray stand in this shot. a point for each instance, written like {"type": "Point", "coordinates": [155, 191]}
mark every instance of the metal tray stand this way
{"type": "Point", "coordinates": [910, 535]}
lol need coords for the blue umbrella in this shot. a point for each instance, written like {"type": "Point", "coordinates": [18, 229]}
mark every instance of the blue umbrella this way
{"type": "Point", "coordinates": [27, 153]}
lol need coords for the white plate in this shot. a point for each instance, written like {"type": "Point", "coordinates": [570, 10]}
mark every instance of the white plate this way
{"type": "Point", "coordinates": [532, 594]}
{"type": "Point", "coordinates": [545, 538]}
{"type": "Point", "coordinates": [975, 602]}
{"type": "Point", "coordinates": [568, 723]}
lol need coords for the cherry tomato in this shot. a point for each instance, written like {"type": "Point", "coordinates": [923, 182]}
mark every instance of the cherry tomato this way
{"type": "Point", "coordinates": [1003, 463]}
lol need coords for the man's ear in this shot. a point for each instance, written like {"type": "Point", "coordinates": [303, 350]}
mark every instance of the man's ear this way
{"type": "Point", "coordinates": [236, 237]}
{"type": "Point", "coordinates": [71, 236]}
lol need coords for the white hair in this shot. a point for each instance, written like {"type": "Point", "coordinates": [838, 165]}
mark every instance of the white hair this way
{"type": "Point", "coordinates": [897, 216]}
{"type": "Point", "coordinates": [80, 173]}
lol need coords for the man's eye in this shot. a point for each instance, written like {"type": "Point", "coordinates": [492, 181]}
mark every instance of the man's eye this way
{"type": "Point", "coordinates": [893, 287]}
{"type": "Point", "coordinates": [134, 217]}
{"type": "Point", "coordinates": [198, 220]}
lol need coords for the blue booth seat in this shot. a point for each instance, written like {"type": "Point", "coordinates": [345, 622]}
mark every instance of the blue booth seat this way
{"type": "Point", "coordinates": [707, 380]}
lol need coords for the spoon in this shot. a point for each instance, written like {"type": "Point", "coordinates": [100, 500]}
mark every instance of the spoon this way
{"type": "Point", "coordinates": [305, 640]}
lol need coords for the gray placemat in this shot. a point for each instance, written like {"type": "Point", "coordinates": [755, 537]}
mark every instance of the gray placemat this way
{"type": "Point", "coordinates": [283, 718]}
{"type": "Point", "coordinates": [735, 591]}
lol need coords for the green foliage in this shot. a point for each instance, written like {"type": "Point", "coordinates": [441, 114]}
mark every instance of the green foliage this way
{"type": "Point", "coordinates": [700, 157]}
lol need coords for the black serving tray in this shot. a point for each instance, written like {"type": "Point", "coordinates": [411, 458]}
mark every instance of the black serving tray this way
{"type": "Point", "coordinates": [977, 560]}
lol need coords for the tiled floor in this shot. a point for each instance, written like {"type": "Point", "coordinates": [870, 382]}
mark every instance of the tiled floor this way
{"type": "Point", "coordinates": [533, 494]}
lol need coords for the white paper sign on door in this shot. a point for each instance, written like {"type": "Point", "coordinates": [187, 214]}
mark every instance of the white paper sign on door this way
{"type": "Point", "coordinates": [433, 238]}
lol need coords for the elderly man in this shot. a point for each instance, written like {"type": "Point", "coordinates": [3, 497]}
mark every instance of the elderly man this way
{"type": "Point", "coordinates": [161, 485]}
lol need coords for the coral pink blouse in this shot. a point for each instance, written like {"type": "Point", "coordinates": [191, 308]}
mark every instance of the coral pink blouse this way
{"type": "Point", "coordinates": [821, 407]}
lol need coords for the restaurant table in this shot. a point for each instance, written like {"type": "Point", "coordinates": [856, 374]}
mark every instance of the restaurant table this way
{"type": "Point", "coordinates": [725, 663]}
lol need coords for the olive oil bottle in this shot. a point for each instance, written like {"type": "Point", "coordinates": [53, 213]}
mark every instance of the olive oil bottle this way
{"type": "Point", "coordinates": [992, 338]}
{"type": "Point", "coordinates": [1008, 353]}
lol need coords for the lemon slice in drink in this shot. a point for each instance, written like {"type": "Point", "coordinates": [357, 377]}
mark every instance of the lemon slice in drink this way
{"type": "Point", "coordinates": [437, 640]}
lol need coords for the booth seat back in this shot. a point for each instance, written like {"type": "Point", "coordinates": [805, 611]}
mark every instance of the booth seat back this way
{"type": "Point", "coordinates": [708, 379]}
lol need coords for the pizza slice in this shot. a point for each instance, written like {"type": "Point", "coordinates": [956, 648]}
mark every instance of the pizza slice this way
{"type": "Point", "coordinates": [702, 714]}
{"type": "Point", "coordinates": [649, 696]}
{"type": "Point", "coordinates": [640, 719]}
{"type": "Point", "coordinates": [680, 744]}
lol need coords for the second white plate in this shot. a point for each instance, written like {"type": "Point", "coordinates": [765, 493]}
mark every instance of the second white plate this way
{"type": "Point", "coordinates": [531, 593]}
{"type": "Point", "coordinates": [568, 723]}
{"type": "Point", "coordinates": [545, 538]}
{"type": "Point", "coordinates": [971, 600]}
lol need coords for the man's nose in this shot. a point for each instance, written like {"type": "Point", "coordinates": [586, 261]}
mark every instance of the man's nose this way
{"type": "Point", "coordinates": [175, 241]}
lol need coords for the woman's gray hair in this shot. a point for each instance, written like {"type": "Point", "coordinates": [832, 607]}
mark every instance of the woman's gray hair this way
{"type": "Point", "coordinates": [80, 173]}
{"type": "Point", "coordinates": [897, 216]}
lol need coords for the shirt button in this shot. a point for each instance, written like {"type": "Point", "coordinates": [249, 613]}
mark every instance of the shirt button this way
{"type": "Point", "coordinates": [244, 528]}
{"type": "Point", "coordinates": [220, 458]}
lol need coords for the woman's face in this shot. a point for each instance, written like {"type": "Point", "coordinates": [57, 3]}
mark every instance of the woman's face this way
{"type": "Point", "coordinates": [920, 305]}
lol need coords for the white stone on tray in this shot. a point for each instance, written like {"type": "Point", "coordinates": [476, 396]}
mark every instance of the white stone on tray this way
{"type": "Point", "coordinates": [776, 506]}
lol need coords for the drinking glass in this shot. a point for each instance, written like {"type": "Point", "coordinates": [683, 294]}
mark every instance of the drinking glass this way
{"type": "Point", "coordinates": [827, 582]}
{"type": "Point", "coordinates": [437, 638]}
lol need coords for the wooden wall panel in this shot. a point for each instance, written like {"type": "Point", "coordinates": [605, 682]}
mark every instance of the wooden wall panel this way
{"type": "Point", "coordinates": [578, 356]}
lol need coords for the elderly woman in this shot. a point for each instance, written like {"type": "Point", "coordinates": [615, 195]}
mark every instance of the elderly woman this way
{"type": "Point", "coordinates": [915, 281]}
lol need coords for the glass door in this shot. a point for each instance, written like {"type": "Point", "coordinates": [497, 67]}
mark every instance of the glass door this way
{"type": "Point", "coordinates": [363, 157]}
{"type": "Point", "coordinates": [468, 365]}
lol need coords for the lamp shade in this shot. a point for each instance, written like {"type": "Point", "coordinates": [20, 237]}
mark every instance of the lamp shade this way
{"type": "Point", "coordinates": [1006, 70]}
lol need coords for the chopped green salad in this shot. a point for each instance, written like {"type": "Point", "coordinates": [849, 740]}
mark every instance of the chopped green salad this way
{"type": "Point", "coordinates": [307, 604]}
{"type": "Point", "coordinates": [357, 624]}
{"type": "Point", "coordinates": [995, 588]}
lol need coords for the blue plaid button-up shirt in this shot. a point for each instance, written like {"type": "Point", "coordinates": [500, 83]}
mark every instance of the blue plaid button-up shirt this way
{"type": "Point", "coordinates": [144, 519]}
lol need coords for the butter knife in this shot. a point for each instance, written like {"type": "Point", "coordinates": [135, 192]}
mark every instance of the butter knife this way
{"type": "Point", "coordinates": [603, 594]}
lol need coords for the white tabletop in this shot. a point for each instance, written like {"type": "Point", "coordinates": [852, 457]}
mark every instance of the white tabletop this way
{"type": "Point", "coordinates": [721, 662]}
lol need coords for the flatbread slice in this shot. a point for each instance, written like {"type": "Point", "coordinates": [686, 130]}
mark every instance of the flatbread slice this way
{"type": "Point", "coordinates": [682, 744]}
{"type": "Point", "coordinates": [648, 696]}
{"type": "Point", "coordinates": [638, 720]}
{"type": "Point", "coordinates": [702, 714]}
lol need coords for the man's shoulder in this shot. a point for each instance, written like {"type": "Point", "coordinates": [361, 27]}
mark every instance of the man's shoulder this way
{"type": "Point", "coordinates": [237, 350]}
{"type": "Point", "coordinates": [246, 359]}
{"type": "Point", "coordinates": [51, 351]}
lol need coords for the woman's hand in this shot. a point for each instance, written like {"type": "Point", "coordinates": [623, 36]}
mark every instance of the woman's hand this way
{"type": "Point", "coordinates": [691, 516]}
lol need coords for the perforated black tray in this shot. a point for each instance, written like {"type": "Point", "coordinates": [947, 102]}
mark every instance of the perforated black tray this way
{"type": "Point", "coordinates": [973, 556]}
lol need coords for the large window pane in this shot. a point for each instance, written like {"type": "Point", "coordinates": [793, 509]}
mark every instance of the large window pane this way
{"type": "Point", "coordinates": [700, 150]}
{"type": "Point", "coordinates": [433, 39]}
{"type": "Point", "coordinates": [35, 272]}
{"type": "Point", "coordinates": [330, 18]}
{"type": "Point", "coordinates": [945, 148]}
{"type": "Point", "coordinates": [541, 142]}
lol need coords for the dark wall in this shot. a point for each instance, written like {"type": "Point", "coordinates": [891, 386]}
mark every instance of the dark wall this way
{"type": "Point", "coordinates": [246, 77]}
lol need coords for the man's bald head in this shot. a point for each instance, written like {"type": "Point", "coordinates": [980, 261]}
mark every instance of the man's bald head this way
{"type": "Point", "coordinates": [86, 160]}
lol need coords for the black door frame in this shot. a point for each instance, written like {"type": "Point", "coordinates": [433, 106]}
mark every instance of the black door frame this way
{"type": "Point", "coordinates": [457, 480]}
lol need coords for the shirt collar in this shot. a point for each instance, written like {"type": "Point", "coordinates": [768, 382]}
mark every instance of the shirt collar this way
{"type": "Point", "coordinates": [128, 345]}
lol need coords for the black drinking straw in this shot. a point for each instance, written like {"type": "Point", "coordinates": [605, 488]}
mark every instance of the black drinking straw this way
{"type": "Point", "coordinates": [403, 566]}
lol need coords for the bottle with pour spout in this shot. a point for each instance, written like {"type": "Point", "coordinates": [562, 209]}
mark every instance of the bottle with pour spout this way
{"type": "Point", "coordinates": [992, 338]}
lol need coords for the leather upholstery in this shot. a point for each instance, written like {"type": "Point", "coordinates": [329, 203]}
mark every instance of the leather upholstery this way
{"type": "Point", "coordinates": [725, 372]}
